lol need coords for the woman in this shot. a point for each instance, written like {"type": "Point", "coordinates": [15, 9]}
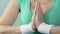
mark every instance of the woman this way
{"type": "Point", "coordinates": [50, 10]}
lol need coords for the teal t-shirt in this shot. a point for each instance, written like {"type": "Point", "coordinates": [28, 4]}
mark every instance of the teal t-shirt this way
{"type": "Point", "coordinates": [51, 17]}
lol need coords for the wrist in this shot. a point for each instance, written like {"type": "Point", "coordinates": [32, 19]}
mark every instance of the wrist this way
{"type": "Point", "coordinates": [44, 28]}
{"type": "Point", "coordinates": [26, 29]}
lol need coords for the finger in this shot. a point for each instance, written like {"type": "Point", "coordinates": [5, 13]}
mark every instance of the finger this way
{"type": "Point", "coordinates": [39, 16]}
{"type": "Point", "coordinates": [37, 10]}
{"type": "Point", "coordinates": [35, 7]}
{"type": "Point", "coordinates": [34, 20]}
{"type": "Point", "coordinates": [34, 12]}
{"type": "Point", "coordinates": [33, 17]}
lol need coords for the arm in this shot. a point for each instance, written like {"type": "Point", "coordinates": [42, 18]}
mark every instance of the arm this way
{"type": "Point", "coordinates": [10, 14]}
{"type": "Point", "coordinates": [55, 30]}
{"type": "Point", "coordinates": [9, 30]}
{"type": "Point", "coordinates": [29, 28]}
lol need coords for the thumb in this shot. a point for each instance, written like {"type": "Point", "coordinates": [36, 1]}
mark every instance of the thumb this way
{"type": "Point", "coordinates": [34, 15]}
{"type": "Point", "coordinates": [39, 15]}
{"type": "Point", "coordinates": [34, 21]}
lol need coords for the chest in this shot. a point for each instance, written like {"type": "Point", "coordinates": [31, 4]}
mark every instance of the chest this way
{"type": "Point", "coordinates": [52, 17]}
{"type": "Point", "coordinates": [45, 5]}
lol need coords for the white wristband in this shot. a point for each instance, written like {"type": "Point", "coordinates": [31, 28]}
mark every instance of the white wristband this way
{"type": "Point", "coordinates": [44, 28]}
{"type": "Point", "coordinates": [26, 29]}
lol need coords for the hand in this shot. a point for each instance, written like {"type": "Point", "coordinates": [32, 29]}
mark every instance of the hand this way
{"type": "Point", "coordinates": [34, 21]}
{"type": "Point", "coordinates": [39, 16]}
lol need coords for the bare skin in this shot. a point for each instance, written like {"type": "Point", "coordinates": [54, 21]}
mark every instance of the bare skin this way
{"type": "Point", "coordinates": [9, 29]}
{"type": "Point", "coordinates": [11, 13]}
{"type": "Point", "coordinates": [16, 30]}
{"type": "Point", "coordinates": [45, 5]}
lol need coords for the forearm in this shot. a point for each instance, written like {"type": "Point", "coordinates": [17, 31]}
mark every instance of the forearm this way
{"type": "Point", "coordinates": [55, 30]}
{"type": "Point", "coordinates": [9, 30]}
{"type": "Point", "coordinates": [10, 14]}
{"type": "Point", "coordinates": [23, 29]}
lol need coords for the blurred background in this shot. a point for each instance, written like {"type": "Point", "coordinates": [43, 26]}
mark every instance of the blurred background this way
{"type": "Point", "coordinates": [3, 5]}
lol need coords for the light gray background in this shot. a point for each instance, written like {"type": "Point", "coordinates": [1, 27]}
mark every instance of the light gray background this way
{"type": "Point", "coordinates": [3, 5]}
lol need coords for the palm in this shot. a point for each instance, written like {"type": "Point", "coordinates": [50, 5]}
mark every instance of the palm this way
{"type": "Point", "coordinates": [39, 17]}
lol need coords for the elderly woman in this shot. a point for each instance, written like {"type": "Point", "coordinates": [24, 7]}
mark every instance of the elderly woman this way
{"type": "Point", "coordinates": [46, 16]}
